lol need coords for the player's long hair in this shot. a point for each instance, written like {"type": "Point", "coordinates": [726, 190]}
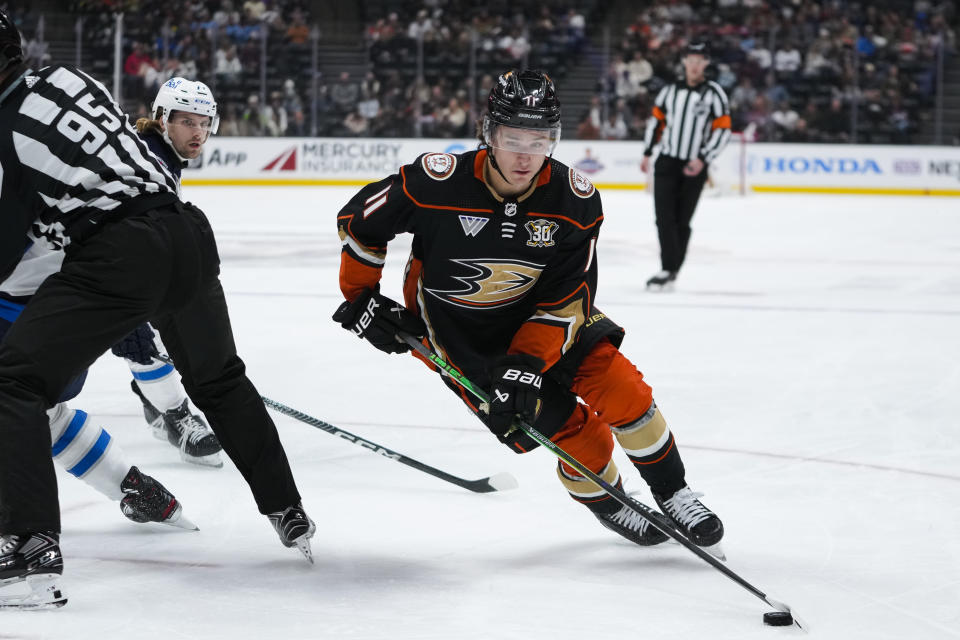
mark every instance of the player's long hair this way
{"type": "Point", "coordinates": [149, 125]}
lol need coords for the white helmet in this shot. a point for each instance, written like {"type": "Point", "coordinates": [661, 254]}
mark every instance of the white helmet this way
{"type": "Point", "coordinates": [180, 94]}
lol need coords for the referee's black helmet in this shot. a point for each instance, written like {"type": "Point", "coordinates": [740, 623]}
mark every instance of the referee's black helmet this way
{"type": "Point", "coordinates": [697, 47]}
{"type": "Point", "coordinates": [11, 47]}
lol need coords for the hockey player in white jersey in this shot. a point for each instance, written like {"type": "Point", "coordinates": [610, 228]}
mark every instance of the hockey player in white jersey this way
{"type": "Point", "coordinates": [183, 116]}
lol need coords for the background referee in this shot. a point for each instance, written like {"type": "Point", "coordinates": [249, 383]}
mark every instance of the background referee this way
{"type": "Point", "coordinates": [691, 123]}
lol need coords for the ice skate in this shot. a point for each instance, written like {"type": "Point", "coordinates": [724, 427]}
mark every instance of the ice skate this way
{"type": "Point", "coordinates": [632, 526]}
{"type": "Point", "coordinates": [700, 525]}
{"type": "Point", "coordinates": [146, 500]}
{"type": "Point", "coordinates": [191, 434]}
{"type": "Point", "coordinates": [295, 528]}
{"type": "Point", "coordinates": [662, 281]}
{"type": "Point", "coordinates": [185, 430]}
{"type": "Point", "coordinates": [31, 568]}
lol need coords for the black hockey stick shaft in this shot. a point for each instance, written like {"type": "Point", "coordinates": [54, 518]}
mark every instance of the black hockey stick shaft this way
{"type": "Point", "coordinates": [483, 485]}
{"type": "Point", "coordinates": [498, 482]}
{"type": "Point", "coordinates": [656, 519]}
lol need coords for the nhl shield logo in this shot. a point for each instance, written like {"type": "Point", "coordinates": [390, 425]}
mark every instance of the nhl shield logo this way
{"type": "Point", "coordinates": [510, 209]}
{"type": "Point", "coordinates": [541, 233]}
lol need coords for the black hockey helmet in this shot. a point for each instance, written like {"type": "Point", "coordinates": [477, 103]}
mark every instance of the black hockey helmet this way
{"type": "Point", "coordinates": [523, 100]}
{"type": "Point", "coordinates": [697, 47]}
{"type": "Point", "coordinates": [11, 47]}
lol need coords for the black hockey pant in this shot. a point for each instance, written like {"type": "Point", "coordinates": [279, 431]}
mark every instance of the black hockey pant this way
{"type": "Point", "coordinates": [161, 266]}
{"type": "Point", "coordinates": [675, 198]}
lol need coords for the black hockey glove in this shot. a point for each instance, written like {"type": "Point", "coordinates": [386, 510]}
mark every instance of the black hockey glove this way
{"type": "Point", "coordinates": [516, 384]}
{"type": "Point", "coordinates": [379, 319]}
{"type": "Point", "coordinates": [138, 346]}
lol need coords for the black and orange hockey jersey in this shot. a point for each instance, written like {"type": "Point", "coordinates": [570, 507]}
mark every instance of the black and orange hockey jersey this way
{"type": "Point", "coordinates": [487, 275]}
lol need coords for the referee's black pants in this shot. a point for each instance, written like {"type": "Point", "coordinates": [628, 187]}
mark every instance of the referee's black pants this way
{"type": "Point", "coordinates": [160, 266]}
{"type": "Point", "coordinates": [675, 198]}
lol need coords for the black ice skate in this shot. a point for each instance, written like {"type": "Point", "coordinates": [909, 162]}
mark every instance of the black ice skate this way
{"type": "Point", "coordinates": [184, 430]}
{"type": "Point", "coordinates": [662, 281]}
{"type": "Point", "coordinates": [31, 568]}
{"type": "Point", "coordinates": [632, 526]}
{"type": "Point", "coordinates": [146, 500]}
{"type": "Point", "coordinates": [700, 525]}
{"type": "Point", "coordinates": [295, 528]}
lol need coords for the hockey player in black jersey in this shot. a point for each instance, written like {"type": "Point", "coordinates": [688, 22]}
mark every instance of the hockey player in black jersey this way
{"type": "Point", "coordinates": [123, 249]}
{"type": "Point", "coordinates": [501, 281]}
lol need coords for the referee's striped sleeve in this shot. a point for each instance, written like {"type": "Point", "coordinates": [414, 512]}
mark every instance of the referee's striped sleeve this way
{"type": "Point", "coordinates": [719, 127]}
{"type": "Point", "coordinates": [656, 122]}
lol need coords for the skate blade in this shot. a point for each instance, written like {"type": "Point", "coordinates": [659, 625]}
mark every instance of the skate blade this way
{"type": "Point", "coordinates": [716, 551]}
{"type": "Point", "coordinates": [36, 592]}
{"type": "Point", "coordinates": [303, 545]}
{"type": "Point", "coordinates": [181, 521]}
{"type": "Point", "coordinates": [660, 288]}
{"type": "Point", "coordinates": [213, 460]}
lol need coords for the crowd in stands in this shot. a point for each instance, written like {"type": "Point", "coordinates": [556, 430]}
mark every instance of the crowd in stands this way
{"type": "Point", "coordinates": [450, 36]}
{"type": "Point", "coordinates": [794, 70]}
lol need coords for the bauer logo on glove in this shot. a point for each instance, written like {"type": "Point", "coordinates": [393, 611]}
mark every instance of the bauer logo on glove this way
{"type": "Point", "coordinates": [378, 319]}
{"type": "Point", "coordinates": [515, 392]}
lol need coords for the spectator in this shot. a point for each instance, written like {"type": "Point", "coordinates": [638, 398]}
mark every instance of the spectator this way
{"type": "Point", "coordinates": [639, 72]}
{"type": "Point", "coordinates": [355, 124]}
{"type": "Point", "coordinates": [614, 128]}
{"type": "Point", "coordinates": [298, 33]}
{"type": "Point", "coordinates": [275, 116]}
{"type": "Point", "coordinates": [587, 130]}
{"type": "Point", "coordinates": [291, 101]}
{"type": "Point", "coordinates": [228, 123]}
{"type": "Point", "coordinates": [453, 120]}
{"type": "Point", "coordinates": [228, 67]}
{"type": "Point", "coordinates": [785, 118]}
{"type": "Point", "coordinates": [787, 61]}
{"type": "Point", "coordinates": [35, 53]}
{"type": "Point", "coordinates": [344, 93]}
{"type": "Point", "coordinates": [834, 123]}
{"type": "Point", "coordinates": [254, 9]}
{"type": "Point", "coordinates": [252, 123]}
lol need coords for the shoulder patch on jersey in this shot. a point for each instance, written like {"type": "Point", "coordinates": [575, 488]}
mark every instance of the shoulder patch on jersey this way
{"type": "Point", "coordinates": [582, 187]}
{"type": "Point", "coordinates": [439, 166]}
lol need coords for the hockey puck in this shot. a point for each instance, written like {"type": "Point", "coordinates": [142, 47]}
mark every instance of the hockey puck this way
{"type": "Point", "coordinates": [778, 619]}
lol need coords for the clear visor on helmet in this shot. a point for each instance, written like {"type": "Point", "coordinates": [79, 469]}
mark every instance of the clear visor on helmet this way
{"type": "Point", "coordinates": [194, 122]}
{"type": "Point", "coordinates": [521, 140]}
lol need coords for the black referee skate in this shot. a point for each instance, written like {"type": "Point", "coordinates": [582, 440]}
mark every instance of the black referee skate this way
{"type": "Point", "coordinates": [146, 500]}
{"type": "Point", "coordinates": [632, 526]}
{"type": "Point", "coordinates": [662, 281]}
{"type": "Point", "coordinates": [30, 571]}
{"type": "Point", "coordinates": [295, 528]}
{"type": "Point", "coordinates": [183, 429]}
{"type": "Point", "coordinates": [700, 525]}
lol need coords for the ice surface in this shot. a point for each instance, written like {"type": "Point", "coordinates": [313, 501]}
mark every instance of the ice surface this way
{"type": "Point", "coordinates": [808, 363]}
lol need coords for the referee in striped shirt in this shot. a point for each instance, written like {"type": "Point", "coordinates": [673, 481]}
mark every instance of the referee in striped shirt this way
{"type": "Point", "coordinates": [691, 124]}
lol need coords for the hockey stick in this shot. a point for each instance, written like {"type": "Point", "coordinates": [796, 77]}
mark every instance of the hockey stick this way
{"type": "Point", "coordinates": [498, 482]}
{"type": "Point", "coordinates": [655, 518]}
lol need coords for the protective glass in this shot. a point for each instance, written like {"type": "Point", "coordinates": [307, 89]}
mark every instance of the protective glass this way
{"type": "Point", "coordinates": [541, 142]}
